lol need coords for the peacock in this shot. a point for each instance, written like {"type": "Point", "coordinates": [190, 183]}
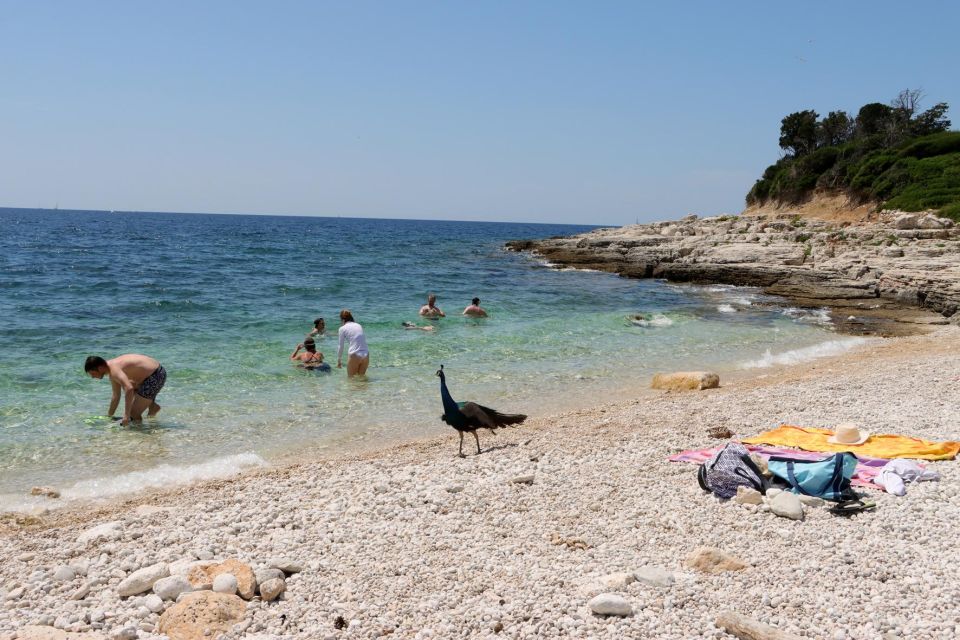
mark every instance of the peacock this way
{"type": "Point", "coordinates": [467, 417]}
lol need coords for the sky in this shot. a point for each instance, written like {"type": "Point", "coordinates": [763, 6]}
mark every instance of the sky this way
{"type": "Point", "coordinates": [599, 112]}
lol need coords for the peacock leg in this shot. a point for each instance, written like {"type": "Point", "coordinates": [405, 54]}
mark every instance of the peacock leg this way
{"type": "Point", "coordinates": [478, 441]}
{"type": "Point", "coordinates": [461, 443]}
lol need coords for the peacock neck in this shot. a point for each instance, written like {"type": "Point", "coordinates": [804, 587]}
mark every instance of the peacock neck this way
{"type": "Point", "coordinates": [449, 404]}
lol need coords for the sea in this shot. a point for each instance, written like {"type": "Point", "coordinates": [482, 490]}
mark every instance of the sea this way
{"type": "Point", "coordinates": [222, 301]}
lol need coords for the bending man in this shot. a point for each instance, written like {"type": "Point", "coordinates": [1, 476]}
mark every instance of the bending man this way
{"type": "Point", "coordinates": [141, 378]}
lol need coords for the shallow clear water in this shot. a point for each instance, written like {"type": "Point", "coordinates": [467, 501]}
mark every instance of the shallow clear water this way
{"type": "Point", "coordinates": [222, 301]}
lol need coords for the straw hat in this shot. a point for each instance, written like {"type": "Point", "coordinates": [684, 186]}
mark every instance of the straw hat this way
{"type": "Point", "coordinates": [848, 433]}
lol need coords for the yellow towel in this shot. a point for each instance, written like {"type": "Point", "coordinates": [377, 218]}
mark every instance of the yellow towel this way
{"type": "Point", "coordinates": [877, 446]}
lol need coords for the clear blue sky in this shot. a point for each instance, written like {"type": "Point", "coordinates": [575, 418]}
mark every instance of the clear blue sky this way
{"type": "Point", "coordinates": [584, 112]}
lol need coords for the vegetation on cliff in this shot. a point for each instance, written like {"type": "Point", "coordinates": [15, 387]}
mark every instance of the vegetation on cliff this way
{"type": "Point", "coordinates": [893, 154]}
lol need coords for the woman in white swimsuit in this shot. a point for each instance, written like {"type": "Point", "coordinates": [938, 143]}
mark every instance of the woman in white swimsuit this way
{"type": "Point", "coordinates": [358, 356]}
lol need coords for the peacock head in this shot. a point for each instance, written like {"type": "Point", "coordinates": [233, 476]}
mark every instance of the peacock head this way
{"type": "Point", "coordinates": [440, 372]}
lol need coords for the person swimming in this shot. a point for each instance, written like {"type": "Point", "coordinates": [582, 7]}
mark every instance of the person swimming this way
{"type": "Point", "coordinates": [410, 325]}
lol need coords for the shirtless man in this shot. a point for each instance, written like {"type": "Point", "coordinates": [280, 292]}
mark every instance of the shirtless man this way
{"type": "Point", "coordinates": [431, 310]}
{"type": "Point", "coordinates": [141, 378]}
{"type": "Point", "coordinates": [474, 310]}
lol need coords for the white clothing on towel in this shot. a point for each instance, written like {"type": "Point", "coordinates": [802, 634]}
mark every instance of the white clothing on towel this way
{"type": "Point", "coordinates": [352, 333]}
{"type": "Point", "coordinates": [895, 475]}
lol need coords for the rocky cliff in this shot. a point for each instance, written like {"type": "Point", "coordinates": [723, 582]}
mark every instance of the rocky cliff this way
{"type": "Point", "coordinates": [899, 268]}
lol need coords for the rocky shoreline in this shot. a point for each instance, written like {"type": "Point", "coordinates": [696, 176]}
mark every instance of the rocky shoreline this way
{"type": "Point", "coordinates": [894, 275]}
{"type": "Point", "coordinates": [573, 525]}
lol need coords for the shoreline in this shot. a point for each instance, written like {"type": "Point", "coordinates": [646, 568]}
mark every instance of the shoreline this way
{"type": "Point", "coordinates": [893, 275]}
{"type": "Point", "coordinates": [376, 532]}
{"type": "Point", "coordinates": [373, 444]}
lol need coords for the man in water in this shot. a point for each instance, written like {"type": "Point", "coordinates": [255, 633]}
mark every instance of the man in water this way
{"type": "Point", "coordinates": [141, 378]}
{"type": "Point", "coordinates": [474, 310]}
{"type": "Point", "coordinates": [431, 310]}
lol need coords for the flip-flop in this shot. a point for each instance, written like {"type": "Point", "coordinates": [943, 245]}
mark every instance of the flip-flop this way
{"type": "Point", "coordinates": [856, 505]}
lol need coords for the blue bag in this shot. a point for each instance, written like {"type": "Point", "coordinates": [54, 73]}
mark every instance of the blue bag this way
{"type": "Point", "coordinates": [828, 478]}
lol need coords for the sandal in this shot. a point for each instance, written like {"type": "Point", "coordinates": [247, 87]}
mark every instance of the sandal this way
{"type": "Point", "coordinates": [854, 505]}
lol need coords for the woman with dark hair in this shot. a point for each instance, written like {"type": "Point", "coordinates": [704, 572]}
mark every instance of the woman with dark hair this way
{"type": "Point", "coordinates": [319, 328]}
{"type": "Point", "coordinates": [358, 356]}
{"type": "Point", "coordinates": [310, 358]}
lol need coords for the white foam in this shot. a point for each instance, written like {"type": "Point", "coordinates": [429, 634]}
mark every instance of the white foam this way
{"type": "Point", "coordinates": [159, 477]}
{"type": "Point", "coordinates": [726, 308]}
{"type": "Point", "coordinates": [657, 320]}
{"type": "Point", "coordinates": [812, 316]}
{"type": "Point", "coordinates": [805, 354]}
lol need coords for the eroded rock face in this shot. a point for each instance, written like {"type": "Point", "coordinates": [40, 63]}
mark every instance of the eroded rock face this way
{"type": "Point", "coordinates": [879, 270]}
{"type": "Point", "coordinates": [201, 615]}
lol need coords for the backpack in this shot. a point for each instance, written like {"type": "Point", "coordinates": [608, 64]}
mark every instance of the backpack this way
{"type": "Point", "coordinates": [828, 478]}
{"type": "Point", "coordinates": [728, 469]}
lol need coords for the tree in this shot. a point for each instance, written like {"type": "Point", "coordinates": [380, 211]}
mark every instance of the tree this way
{"type": "Point", "coordinates": [933, 120]}
{"type": "Point", "coordinates": [836, 128]}
{"type": "Point", "coordinates": [873, 118]}
{"type": "Point", "coordinates": [798, 132]}
{"type": "Point", "coordinates": [906, 104]}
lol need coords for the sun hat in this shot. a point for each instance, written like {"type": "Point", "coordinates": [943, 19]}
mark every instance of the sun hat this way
{"type": "Point", "coordinates": [848, 433]}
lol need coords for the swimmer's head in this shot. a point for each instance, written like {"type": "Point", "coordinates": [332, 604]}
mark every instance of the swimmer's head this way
{"type": "Point", "coordinates": [407, 324]}
{"type": "Point", "coordinates": [309, 344]}
{"type": "Point", "coordinates": [431, 298]}
{"type": "Point", "coordinates": [318, 323]}
{"type": "Point", "coordinates": [346, 316]}
{"type": "Point", "coordinates": [476, 301]}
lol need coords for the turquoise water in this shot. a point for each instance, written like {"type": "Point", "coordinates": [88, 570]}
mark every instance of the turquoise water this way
{"type": "Point", "coordinates": [222, 301]}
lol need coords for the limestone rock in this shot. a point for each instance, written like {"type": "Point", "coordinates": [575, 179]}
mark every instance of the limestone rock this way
{"type": "Point", "coordinates": [201, 615]}
{"type": "Point", "coordinates": [271, 589]}
{"type": "Point", "coordinates": [747, 495]}
{"type": "Point", "coordinates": [654, 576]}
{"type": "Point", "coordinates": [686, 380]}
{"type": "Point", "coordinates": [106, 531]}
{"type": "Point", "coordinates": [713, 560]}
{"type": "Point", "coordinates": [225, 583]}
{"type": "Point", "coordinates": [269, 574]}
{"type": "Point", "coordinates": [202, 576]}
{"type": "Point", "coordinates": [64, 573]}
{"type": "Point", "coordinates": [610, 604]}
{"type": "Point", "coordinates": [154, 603]}
{"type": "Point", "coordinates": [748, 629]}
{"type": "Point", "coordinates": [170, 588]}
{"type": "Point", "coordinates": [47, 492]}
{"type": "Point", "coordinates": [524, 479]}
{"type": "Point", "coordinates": [812, 501]}
{"type": "Point", "coordinates": [786, 505]}
{"type": "Point", "coordinates": [286, 565]}
{"type": "Point", "coordinates": [142, 579]}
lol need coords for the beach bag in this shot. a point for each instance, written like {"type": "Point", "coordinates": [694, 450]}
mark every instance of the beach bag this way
{"type": "Point", "coordinates": [828, 478]}
{"type": "Point", "coordinates": [728, 469]}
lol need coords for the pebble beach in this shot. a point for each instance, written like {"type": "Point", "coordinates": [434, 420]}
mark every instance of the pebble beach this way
{"type": "Point", "coordinates": [414, 542]}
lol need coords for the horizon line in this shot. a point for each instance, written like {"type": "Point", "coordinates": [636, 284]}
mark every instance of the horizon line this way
{"type": "Point", "coordinates": [298, 215]}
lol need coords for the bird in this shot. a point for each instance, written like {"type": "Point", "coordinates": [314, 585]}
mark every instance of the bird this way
{"type": "Point", "coordinates": [467, 417]}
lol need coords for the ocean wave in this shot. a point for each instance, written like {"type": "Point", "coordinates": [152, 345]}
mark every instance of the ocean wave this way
{"type": "Point", "coordinates": [726, 308]}
{"type": "Point", "coordinates": [160, 477]}
{"type": "Point", "coordinates": [812, 316]}
{"type": "Point", "coordinates": [805, 354]}
{"type": "Point", "coordinates": [656, 320]}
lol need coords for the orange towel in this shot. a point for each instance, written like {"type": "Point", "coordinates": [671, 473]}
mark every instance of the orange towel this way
{"type": "Point", "coordinates": [877, 446]}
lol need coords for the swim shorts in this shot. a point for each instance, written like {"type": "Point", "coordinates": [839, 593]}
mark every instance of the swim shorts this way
{"type": "Point", "coordinates": [150, 387]}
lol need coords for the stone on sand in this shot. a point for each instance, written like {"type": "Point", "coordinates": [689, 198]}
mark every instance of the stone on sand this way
{"type": "Point", "coordinates": [748, 629]}
{"type": "Point", "coordinates": [713, 560]}
{"type": "Point", "coordinates": [170, 588]}
{"type": "Point", "coordinates": [686, 381]}
{"type": "Point", "coordinates": [201, 615]}
{"type": "Point", "coordinates": [610, 604]}
{"type": "Point", "coordinates": [786, 505]}
{"type": "Point", "coordinates": [142, 579]}
{"type": "Point", "coordinates": [202, 576]}
{"type": "Point", "coordinates": [271, 589]}
{"type": "Point", "coordinates": [106, 531]}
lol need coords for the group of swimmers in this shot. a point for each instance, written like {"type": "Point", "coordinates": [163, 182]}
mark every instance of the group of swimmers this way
{"type": "Point", "coordinates": [358, 355]}
{"type": "Point", "coordinates": [140, 378]}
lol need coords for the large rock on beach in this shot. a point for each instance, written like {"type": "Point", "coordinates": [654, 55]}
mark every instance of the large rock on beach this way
{"type": "Point", "coordinates": [106, 531]}
{"type": "Point", "coordinates": [271, 589]}
{"type": "Point", "coordinates": [170, 588]}
{"type": "Point", "coordinates": [610, 604]}
{"type": "Point", "coordinates": [202, 576]}
{"type": "Point", "coordinates": [287, 565]}
{"type": "Point", "coordinates": [748, 629]}
{"type": "Point", "coordinates": [713, 560]}
{"type": "Point", "coordinates": [201, 615]}
{"type": "Point", "coordinates": [142, 579]}
{"type": "Point", "coordinates": [786, 505]}
{"type": "Point", "coordinates": [654, 576]}
{"type": "Point", "coordinates": [686, 381]}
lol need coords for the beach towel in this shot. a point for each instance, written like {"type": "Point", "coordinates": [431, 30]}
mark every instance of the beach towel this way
{"type": "Point", "coordinates": [867, 468]}
{"type": "Point", "coordinates": [878, 446]}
